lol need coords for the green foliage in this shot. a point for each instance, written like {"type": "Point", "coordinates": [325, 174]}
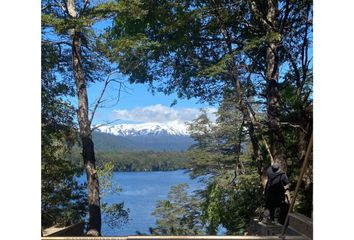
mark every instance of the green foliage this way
{"type": "Point", "coordinates": [233, 196]}
{"type": "Point", "coordinates": [55, 22]}
{"type": "Point", "coordinates": [212, 207]}
{"type": "Point", "coordinates": [241, 203]}
{"type": "Point", "coordinates": [115, 214]}
{"type": "Point", "coordinates": [204, 155]}
{"type": "Point", "coordinates": [105, 174]}
{"type": "Point", "coordinates": [218, 145]}
{"type": "Point", "coordinates": [171, 42]}
{"type": "Point", "coordinates": [196, 48]}
{"type": "Point", "coordinates": [179, 215]}
{"type": "Point", "coordinates": [231, 205]}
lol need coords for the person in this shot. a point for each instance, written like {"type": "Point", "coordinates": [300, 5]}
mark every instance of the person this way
{"type": "Point", "coordinates": [275, 189]}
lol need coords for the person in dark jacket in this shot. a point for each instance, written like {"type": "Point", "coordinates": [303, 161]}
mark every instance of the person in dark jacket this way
{"type": "Point", "coordinates": [275, 189]}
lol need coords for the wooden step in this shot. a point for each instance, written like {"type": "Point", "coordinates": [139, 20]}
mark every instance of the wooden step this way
{"type": "Point", "coordinates": [263, 229]}
{"type": "Point", "coordinates": [301, 224]}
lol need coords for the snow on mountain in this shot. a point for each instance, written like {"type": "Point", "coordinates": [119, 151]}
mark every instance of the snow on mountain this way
{"type": "Point", "coordinates": [142, 129]}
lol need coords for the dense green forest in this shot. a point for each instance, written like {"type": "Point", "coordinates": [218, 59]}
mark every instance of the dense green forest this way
{"type": "Point", "coordinates": [250, 58]}
{"type": "Point", "coordinates": [125, 161]}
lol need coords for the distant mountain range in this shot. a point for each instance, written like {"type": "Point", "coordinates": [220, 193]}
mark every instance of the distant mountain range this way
{"type": "Point", "coordinates": [146, 129]}
{"type": "Point", "coordinates": [139, 137]}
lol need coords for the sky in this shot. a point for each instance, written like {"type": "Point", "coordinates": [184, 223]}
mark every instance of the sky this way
{"type": "Point", "coordinates": [138, 105]}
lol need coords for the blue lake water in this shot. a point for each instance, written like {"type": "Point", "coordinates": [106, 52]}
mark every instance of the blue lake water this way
{"type": "Point", "coordinates": [140, 192]}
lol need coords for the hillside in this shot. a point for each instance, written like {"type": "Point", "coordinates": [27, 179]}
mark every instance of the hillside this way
{"type": "Point", "coordinates": [158, 142]}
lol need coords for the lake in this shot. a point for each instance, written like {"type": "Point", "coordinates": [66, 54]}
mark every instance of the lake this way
{"type": "Point", "coordinates": [140, 192]}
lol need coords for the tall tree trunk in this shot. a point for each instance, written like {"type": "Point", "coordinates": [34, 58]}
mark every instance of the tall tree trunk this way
{"type": "Point", "coordinates": [88, 152]}
{"type": "Point", "coordinates": [273, 98]}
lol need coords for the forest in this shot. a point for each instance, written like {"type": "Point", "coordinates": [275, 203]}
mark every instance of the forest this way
{"type": "Point", "coordinates": [251, 58]}
{"type": "Point", "coordinates": [138, 161]}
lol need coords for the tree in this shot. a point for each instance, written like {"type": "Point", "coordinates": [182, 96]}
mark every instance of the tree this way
{"type": "Point", "coordinates": [233, 194]}
{"type": "Point", "coordinates": [63, 198]}
{"type": "Point", "coordinates": [219, 146]}
{"type": "Point", "coordinates": [179, 215]}
{"type": "Point", "coordinates": [69, 25]}
{"type": "Point", "coordinates": [205, 159]}
{"type": "Point", "coordinates": [221, 156]}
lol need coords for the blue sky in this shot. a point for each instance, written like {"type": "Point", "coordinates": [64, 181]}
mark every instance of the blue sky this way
{"type": "Point", "coordinates": [137, 105]}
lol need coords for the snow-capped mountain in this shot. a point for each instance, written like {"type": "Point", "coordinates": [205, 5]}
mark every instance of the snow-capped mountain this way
{"type": "Point", "coordinates": [146, 129]}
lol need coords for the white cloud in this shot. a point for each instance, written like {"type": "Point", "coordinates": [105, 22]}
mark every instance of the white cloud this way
{"type": "Point", "coordinates": [161, 114]}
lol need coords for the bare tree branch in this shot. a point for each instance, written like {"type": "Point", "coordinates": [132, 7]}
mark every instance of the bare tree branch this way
{"type": "Point", "coordinates": [121, 85]}
{"type": "Point", "coordinates": [100, 99]}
